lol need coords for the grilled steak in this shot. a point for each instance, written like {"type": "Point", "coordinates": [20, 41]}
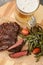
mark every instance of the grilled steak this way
{"type": "Point", "coordinates": [18, 54]}
{"type": "Point", "coordinates": [8, 35]}
{"type": "Point", "coordinates": [17, 46]}
{"type": "Point", "coordinates": [18, 43]}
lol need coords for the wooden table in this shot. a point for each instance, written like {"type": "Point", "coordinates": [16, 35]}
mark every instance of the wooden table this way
{"type": "Point", "coordinates": [7, 11]}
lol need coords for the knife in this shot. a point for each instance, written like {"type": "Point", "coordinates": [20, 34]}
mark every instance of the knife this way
{"type": "Point", "coordinates": [2, 2]}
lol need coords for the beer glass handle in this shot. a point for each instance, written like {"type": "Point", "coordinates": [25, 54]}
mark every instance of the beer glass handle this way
{"type": "Point", "coordinates": [32, 22]}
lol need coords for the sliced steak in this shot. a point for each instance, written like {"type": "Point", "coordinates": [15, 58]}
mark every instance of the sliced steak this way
{"type": "Point", "coordinates": [8, 35]}
{"type": "Point", "coordinates": [18, 54]}
{"type": "Point", "coordinates": [18, 43]}
{"type": "Point", "coordinates": [17, 46]}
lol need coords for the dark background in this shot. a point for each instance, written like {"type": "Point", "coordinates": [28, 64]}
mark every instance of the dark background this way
{"type": "Point", "coordinates": [4, 1]}
{"type": "Point", "coordinates": [41, 2]}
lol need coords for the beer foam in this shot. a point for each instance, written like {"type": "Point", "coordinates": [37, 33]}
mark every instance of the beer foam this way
{"type": "Point", "coordinates": [27, 6]}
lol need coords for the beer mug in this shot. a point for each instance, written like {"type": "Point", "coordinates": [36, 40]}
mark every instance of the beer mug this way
{"type": "Point", "coordinates": [24, 11]}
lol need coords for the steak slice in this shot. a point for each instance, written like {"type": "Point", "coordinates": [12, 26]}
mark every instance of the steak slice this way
{"type": "Point", "coordinates": [17, 46]}
{"type": "Point", "coordinates": [18, 54]}
{"type": "Point", "coordinates": [8, 34]}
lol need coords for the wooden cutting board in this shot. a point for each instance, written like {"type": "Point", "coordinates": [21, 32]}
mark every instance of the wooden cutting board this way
{"type": "Point", "coordinates": [7, 11]}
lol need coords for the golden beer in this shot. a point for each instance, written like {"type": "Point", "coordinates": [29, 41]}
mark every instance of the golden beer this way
{"type": "Point", "coordinates": [25, 9]}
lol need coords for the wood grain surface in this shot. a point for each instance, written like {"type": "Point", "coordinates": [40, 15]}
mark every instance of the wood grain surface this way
{"type": "Point", "coordinates": [7, 11]}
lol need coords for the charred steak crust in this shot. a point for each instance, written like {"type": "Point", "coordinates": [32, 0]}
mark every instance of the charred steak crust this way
{"type": "Point", "coordinates": [8, 34]}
